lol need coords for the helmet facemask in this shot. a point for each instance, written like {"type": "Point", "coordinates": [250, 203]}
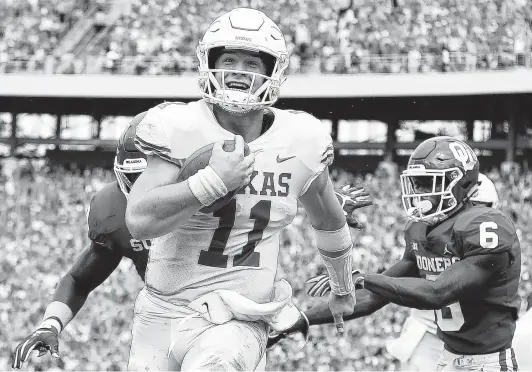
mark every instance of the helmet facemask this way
{"type": "Point", "coordinates": [434, 184]}
{"type": "Point", "coordinates": [237, 101]}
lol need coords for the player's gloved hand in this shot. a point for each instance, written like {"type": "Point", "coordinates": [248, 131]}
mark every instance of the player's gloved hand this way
{"type": "Point", "coordinates": [352, 198]}
{"type": "Point", "coordinates": [319, 285]}
{"type": "Point", "coordinates": [43, 339]}
{"type": "Point", "coordinates": [233, 168]}
{"type": "Point", "coordinates": [301, 326]}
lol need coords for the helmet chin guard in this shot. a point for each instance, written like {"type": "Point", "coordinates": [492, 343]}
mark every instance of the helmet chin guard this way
{"type": "Point", "coordinates": [238, 101]}
{"type": "Point", "coordinates": [415, 202]}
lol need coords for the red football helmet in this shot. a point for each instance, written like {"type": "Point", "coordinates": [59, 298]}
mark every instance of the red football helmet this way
{"type": "Point", "coordinates": [441, 176]}
{"type": "Point", "coordinates": [129, 161]}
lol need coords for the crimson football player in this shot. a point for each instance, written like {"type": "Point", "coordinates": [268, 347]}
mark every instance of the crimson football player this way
{"type": "Point", "coordinates": [461, 260]}
{"type": "Point", "coordinates": [110, 240]}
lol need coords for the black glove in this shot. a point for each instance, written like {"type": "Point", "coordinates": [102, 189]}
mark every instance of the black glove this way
{"type": "Point", "coordinates": [301, 326]}
{"type": "Point", "coordinates": [352, 198]}
{"type": "Point", "coordinates": [43, 339]}
{"type": "Point", "coordinates": [320, 284]}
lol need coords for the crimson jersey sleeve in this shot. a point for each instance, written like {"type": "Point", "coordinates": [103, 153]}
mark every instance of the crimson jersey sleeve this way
{"type": "Point", "coordinates": [151, 136]}
{"type": "Point", "coordinates": [415, 233]}
{"type": "Point", "coordinates": [106, 214]}
{"type": "Point", "coordinates": [483, 230]}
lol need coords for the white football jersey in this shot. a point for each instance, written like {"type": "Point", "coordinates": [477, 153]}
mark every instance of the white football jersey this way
{"type": "Point", "coordinates": [236, 247]}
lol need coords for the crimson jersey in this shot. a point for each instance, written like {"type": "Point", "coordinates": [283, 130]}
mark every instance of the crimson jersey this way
{"type": "Point", "coordinates": [483, 322]}
{"type": "Point", "coordinates": [107, 227]}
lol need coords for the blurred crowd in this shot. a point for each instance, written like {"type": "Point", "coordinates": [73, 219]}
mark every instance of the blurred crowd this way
{"type": "Point", "coordinates": [345, 36]}
{"type": "Point", "coordinates": [31, 29]}
{"type": "Point", "coordinates": [44, 229]}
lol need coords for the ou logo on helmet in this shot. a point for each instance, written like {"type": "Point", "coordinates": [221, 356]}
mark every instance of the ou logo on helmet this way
{"type": "Point", "coordinates": [464, 155]}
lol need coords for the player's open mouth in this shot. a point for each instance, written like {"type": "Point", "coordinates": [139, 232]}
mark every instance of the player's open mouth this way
{"type": "Point", "coordinates": [238, 86]}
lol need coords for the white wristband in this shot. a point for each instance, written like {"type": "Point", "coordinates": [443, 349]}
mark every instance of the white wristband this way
{"type": "Point", "coordinates": [58, 315]}
{"type": "Point", "coordinates": [50, 322]}
{"type": "Point", "coordinates": [207, 186]}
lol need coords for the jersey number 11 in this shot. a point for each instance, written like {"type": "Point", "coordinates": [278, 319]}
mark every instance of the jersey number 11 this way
{"type": "Point", "coordinates": [215, 257]}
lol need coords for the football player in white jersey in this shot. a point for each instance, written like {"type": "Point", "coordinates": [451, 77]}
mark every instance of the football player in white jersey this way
{"type": "Point", "coordinates": [418, 346]}
{"type": "Point", "coordinates": [211, 291]}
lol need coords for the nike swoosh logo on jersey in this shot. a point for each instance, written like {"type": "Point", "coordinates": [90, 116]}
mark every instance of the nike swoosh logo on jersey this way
{"type": "Point", "coordinates": [280, 160]}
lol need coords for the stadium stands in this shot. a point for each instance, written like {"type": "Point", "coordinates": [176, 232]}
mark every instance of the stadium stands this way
{"type": "Point", "coordinates": [44, 208]}
{"type": "Point", "coordinates": [354, 36]}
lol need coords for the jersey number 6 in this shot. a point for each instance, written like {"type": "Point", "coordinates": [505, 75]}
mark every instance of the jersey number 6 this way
{"type": "Point", "coordinates": [488, 239]}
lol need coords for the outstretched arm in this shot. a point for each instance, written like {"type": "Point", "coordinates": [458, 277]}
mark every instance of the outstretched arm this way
{"type": "Point", "coordinates": [460, 279]}
{"type": "Point", "coordinates": [93, 266]}
{"type": "Point", "coordinates": [366, 301]}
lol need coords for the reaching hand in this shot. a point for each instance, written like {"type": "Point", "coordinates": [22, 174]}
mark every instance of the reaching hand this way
{"type": "Point", "coordinates": [43, 339]}
{"type": "Point", "coordinates": [352, 198]}
{"type": "Point", "coordinates": [301, 326]}
{"type": "Point", "coordinates": [320, 284]}
{"type": "Point", "coordinates": [340, 306]}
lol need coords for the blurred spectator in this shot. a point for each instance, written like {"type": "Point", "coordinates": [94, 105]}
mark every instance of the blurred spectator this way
{"type": "Point", "coordinates": [351, 36]}
{"type": "Point", "coordinates": [31, 29]}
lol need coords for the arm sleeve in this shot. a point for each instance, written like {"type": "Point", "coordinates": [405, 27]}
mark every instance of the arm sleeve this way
{"type": "Point", "coordinates": [318, 151]}
{"type": "Point", "coordinates": [486, 233]}
{"type": "Point", "coordinates": [100, 228]}
{"type": "Point", "coordinates": [92, 268]}
{"type": "Point", "coordinates": [151, 137]}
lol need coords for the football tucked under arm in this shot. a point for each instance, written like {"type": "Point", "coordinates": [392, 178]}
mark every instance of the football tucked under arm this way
{"type": "Point", "coordinates": [198, 162]}
{"type": "Point", "coordinates": [157, 204]}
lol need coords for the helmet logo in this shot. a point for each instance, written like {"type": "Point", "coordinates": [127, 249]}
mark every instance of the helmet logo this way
{"type": "Point", "coordinates": [131, 162]}
{"type": "Point", "coordinates": [463, 155]}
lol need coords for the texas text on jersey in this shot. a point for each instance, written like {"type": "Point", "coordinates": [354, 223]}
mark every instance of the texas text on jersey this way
{"type": "Point", "coordinates": [107, 227]}
{"type": "Point", "coordinates": [483, 322]}
{"type": "Point", "coordinates": [243, 236]}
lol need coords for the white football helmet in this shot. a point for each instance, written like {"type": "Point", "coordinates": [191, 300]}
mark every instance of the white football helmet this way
{"type": "Point", "coordinates": [486, 193]}
{"type": "Point", "coordinates": [244, 29]}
